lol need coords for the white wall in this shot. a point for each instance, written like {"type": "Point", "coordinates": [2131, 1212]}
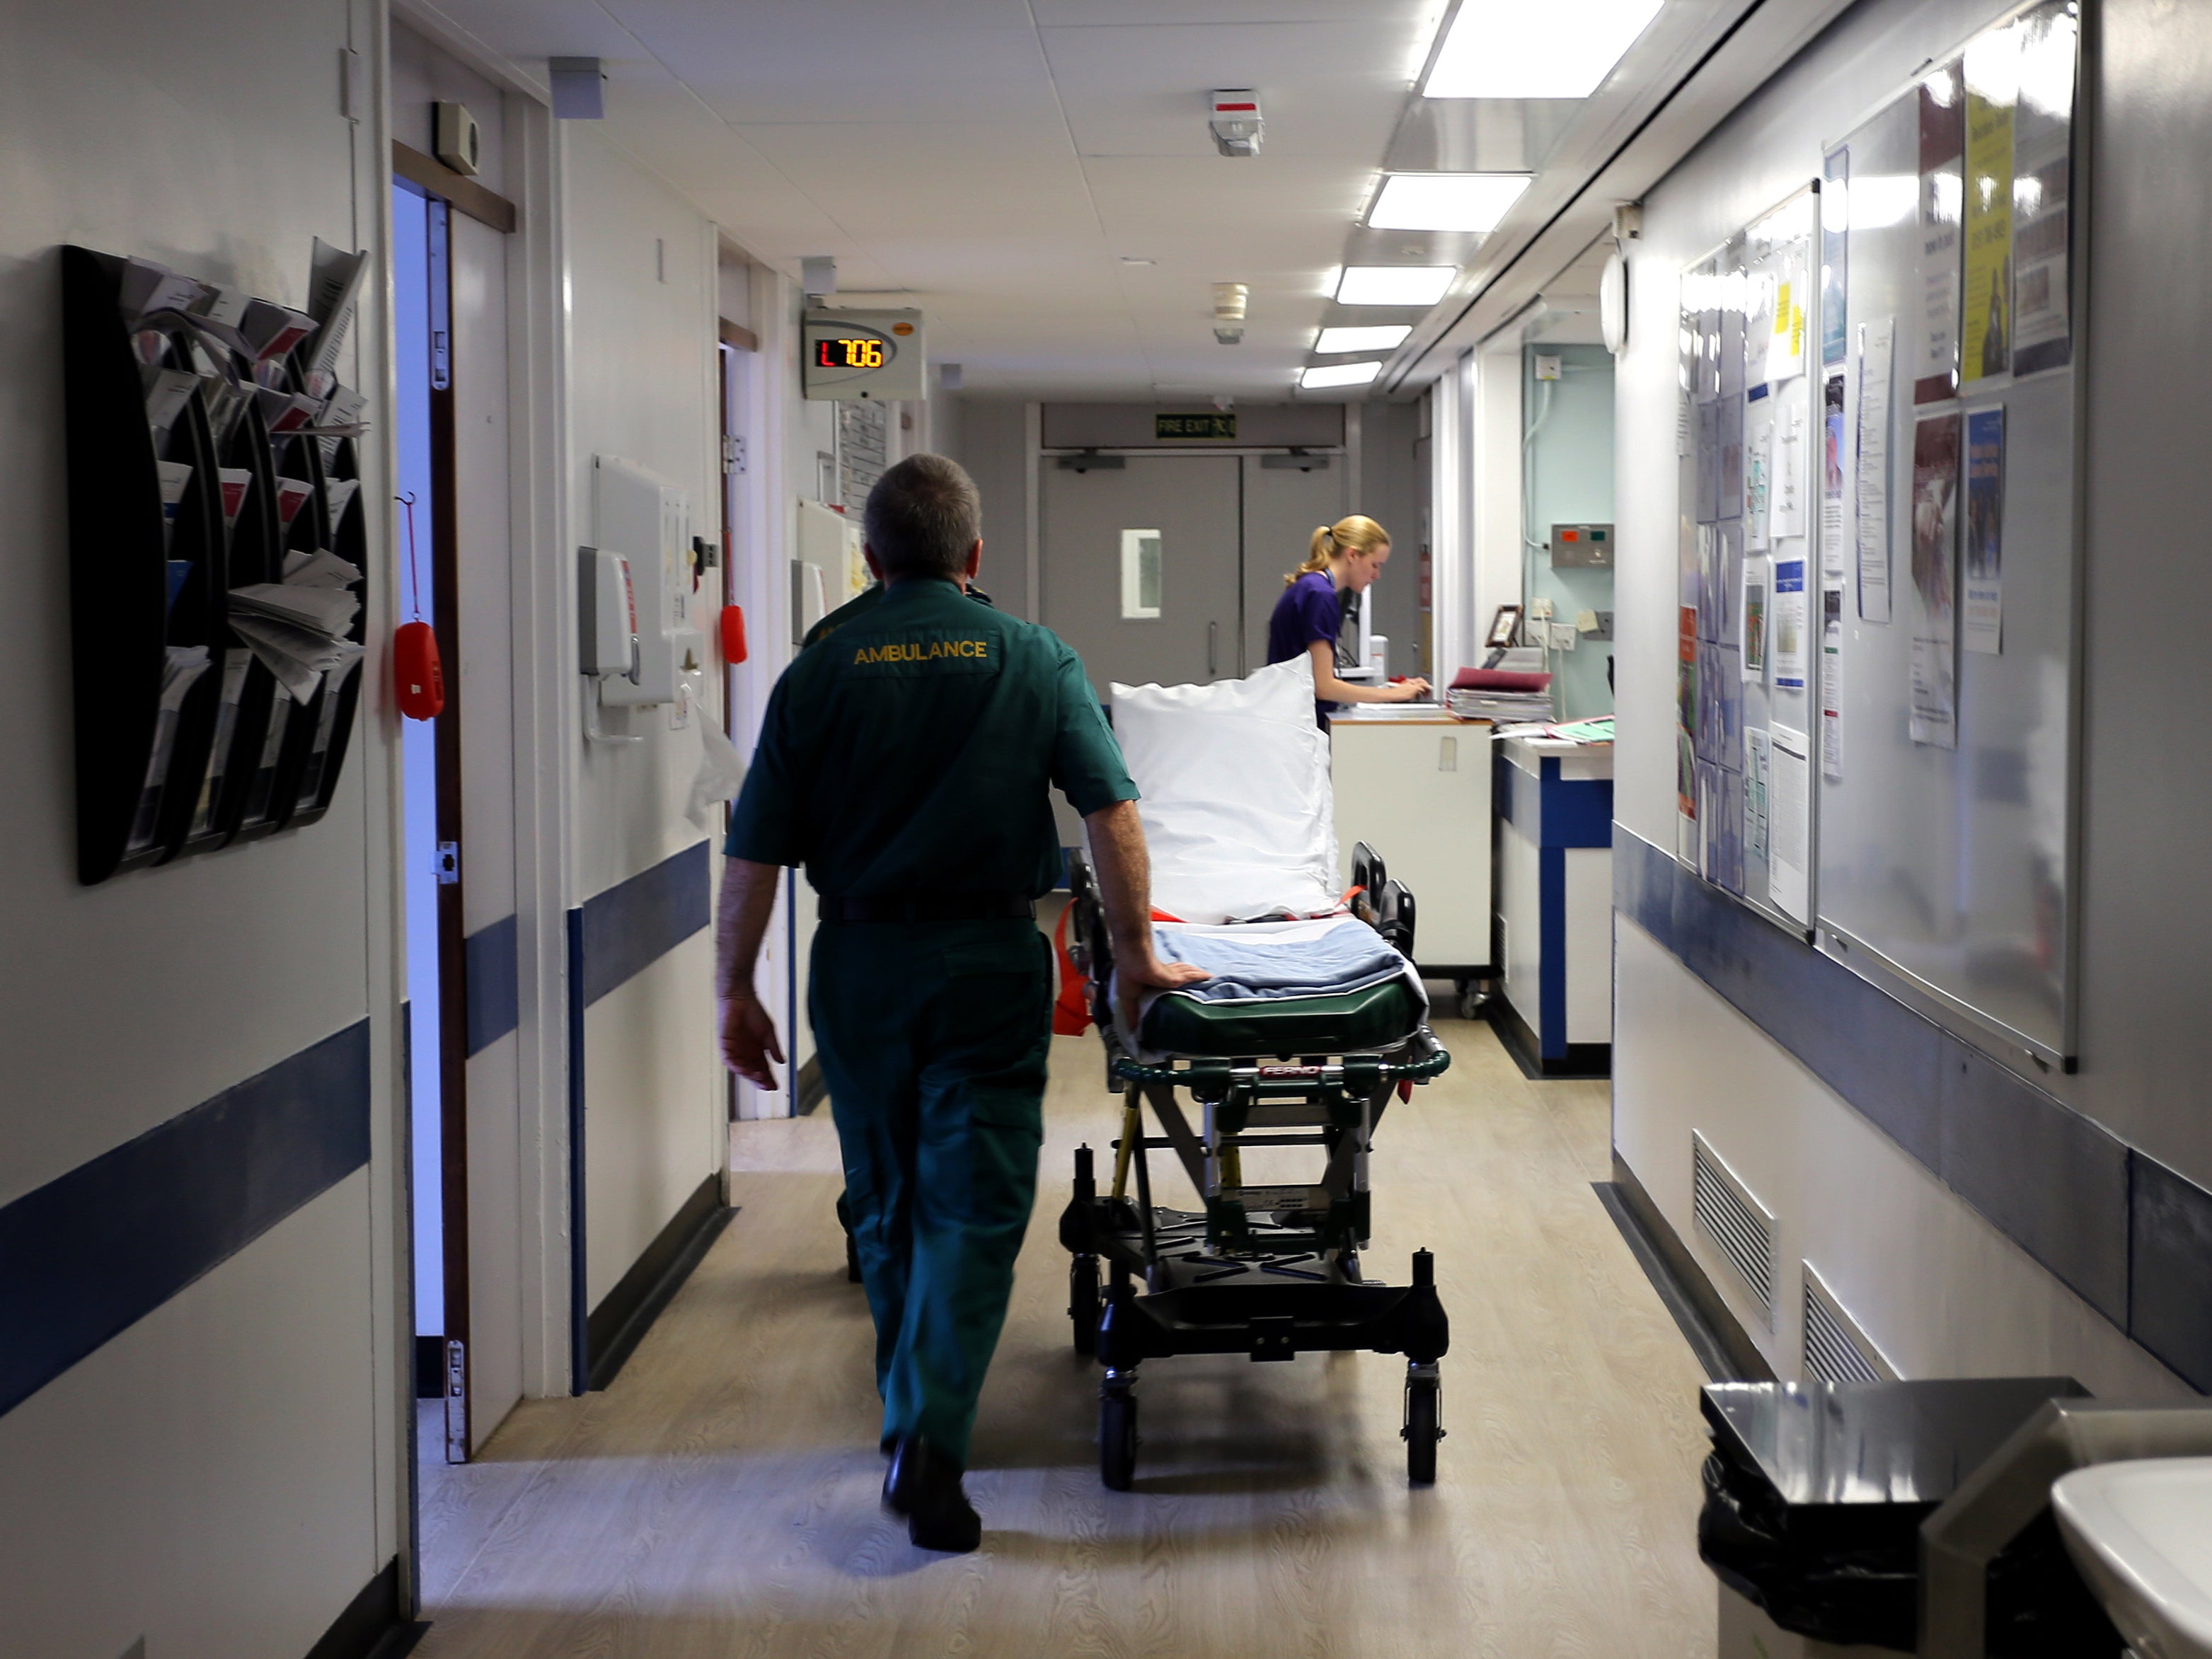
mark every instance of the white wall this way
{"type": "Point", "coordinates": [225, 1476]}
{"type": "Point", "coordinates": [642, 386]}
{"type": "Point", "coordinates": [1941, 1291]}
{"type": "Point", "coordinates": [2147, 891]}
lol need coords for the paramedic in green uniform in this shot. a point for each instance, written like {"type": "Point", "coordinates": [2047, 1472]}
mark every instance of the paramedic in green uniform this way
{"type": "Point", "coordinates": [904, 760]}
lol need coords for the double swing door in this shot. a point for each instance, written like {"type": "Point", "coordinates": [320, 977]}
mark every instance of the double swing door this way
{"type": "Point", "coordinates": [1228, 528]}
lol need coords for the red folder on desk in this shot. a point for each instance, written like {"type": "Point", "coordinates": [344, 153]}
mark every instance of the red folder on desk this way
{"type": "Point", "coordinates": [1497, 679]}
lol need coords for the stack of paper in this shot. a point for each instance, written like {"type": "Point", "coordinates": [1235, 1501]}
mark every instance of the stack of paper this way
{"type": "Point", "coordinates": [1499, 695]}
{"type": "Point", "coordinates": [1500, 705]}
{"type": "Point", "coordinates": [297, 627]}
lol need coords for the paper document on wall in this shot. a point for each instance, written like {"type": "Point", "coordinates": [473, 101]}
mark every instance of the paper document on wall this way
{"type": "Point", "coordinates": [1992, 77]}
{"type": "Point", "coordinates": [1834, 448]}
{"type": "Point", "coordinates": [1791, 416]}
{"type": "Point", "coordinates": [1756, 583]}
{"type": "Point", "coordinates": [1982, 618]}
{"type": "Point", "coordinates": [333, 294]}
{"type": "Point", "coordinates": [1942, 99]}
{"type": "Point", "coordinates": [2042, 332]}
{"type": "Point", "coordinates": [1787, 624]}
{"type": "Point", "coordinates": [1831, 683]}
{"type": "Point", "coordinates": [1758, 473]}
{"type": "Point", "coordinates": [1758, 768]}
{"type": "Point", "coordinates": [1789, 807]}
{"type": "Point", "coordinates": [1877, 348]}
{"type": "Point", "coordinates": [1935, 559]}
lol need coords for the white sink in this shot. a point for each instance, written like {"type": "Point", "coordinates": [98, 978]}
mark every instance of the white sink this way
{"type": "Point", "coordinates": [2141, 1532]}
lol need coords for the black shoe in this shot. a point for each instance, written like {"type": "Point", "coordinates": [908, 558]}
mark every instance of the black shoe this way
{"type": "Point", "coordinates": [924, 1488]}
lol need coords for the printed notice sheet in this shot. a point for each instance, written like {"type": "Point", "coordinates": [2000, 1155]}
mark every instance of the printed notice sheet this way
{"type": "Point", "coordinates": [1789, 822]}
{"type": "Point", "coordinates": [1786, 624]}
{"type": "Point", "coordinates": [1943, 192]}
{"type": "Point", "coordinates": [1832, 681]}
{"type": "Point", "coordinates": [1877, 343]}
{"type": "Point", "coordinates": [1833, 449]}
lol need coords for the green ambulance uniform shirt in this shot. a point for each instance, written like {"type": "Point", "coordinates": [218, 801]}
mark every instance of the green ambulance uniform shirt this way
{"type": "Point", "coordinates": [861, 603]}
{"type": "Point", "coordinates": [910, 752]}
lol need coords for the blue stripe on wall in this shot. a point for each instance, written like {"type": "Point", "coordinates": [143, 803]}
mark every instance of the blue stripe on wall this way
{"type": "Point", "coordinates": [91, 1253]}
{"type": "Point", "coordinates": [490, 978]}
{"type": "Point", "coordinates": [2132, 1237]}
{"type": "Point", "coordinates": [580, 1347]}
{"type": "Point", "coordinates": [636, 922]}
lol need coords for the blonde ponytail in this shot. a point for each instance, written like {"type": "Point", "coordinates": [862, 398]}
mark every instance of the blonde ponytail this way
{"type": "Point", "coordinates": [1356, 534]}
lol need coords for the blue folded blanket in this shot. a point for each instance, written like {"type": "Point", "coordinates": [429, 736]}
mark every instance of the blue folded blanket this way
{"type": "Point", "coordinates": [1248, 966]}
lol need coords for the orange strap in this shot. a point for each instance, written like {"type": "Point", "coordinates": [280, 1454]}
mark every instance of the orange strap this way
{"type": "Point", "coordinates": [1070, 1012]}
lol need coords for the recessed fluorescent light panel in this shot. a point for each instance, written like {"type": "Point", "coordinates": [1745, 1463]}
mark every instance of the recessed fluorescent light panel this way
{"type": "Point", "coordinates": [1319, 379]}
{"type": "Point", "coordinates": [1383, 336]}
{"type": "Point", "coordinates": [1515, 49]}
{"type": "Point", "coordinates": [1394, 285]}
{"type": "Point", "coordinates": [1445, 201]}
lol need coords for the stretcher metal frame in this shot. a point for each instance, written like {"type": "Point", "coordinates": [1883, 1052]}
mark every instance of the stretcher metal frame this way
{"type": "Point", "coordinates": [1268, 1271]}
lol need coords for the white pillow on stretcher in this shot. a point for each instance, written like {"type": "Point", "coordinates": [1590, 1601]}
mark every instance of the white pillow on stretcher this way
{"type": "Point", "coordinates": [1236, 801]}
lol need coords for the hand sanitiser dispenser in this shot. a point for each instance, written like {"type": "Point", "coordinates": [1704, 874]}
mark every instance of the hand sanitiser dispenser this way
{"type": "Point", "coordinates": [606, 608]}
{"type": "Point", "coordinates": [648, 523]}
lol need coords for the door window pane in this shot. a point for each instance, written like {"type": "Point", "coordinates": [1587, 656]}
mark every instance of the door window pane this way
{"type": "Point", "coordinates": [1140, 575]}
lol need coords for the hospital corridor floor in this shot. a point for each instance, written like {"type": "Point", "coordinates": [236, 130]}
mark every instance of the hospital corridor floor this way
{"type": "Point", "coordinates": [721, 1498]}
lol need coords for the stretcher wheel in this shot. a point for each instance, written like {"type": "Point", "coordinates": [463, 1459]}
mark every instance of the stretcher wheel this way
{"type": "Point", "coordinates": [1117, 1438]}
{"type": "Point", "coordinates": [1424, 1424]}
{"type": "Point", "coordinates": [1083, 1303]}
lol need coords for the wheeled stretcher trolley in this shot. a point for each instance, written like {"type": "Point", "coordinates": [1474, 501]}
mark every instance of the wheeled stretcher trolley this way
{"type": "Point", "coordinates": [1270, 1271]}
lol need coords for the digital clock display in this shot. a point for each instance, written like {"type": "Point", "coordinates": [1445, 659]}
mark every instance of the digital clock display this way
{"type": "Point", "coordinates": [849, 354]}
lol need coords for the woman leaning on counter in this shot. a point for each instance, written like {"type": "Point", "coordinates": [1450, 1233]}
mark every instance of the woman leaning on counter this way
{"type": "Point", "coordinates": [1348, 554]}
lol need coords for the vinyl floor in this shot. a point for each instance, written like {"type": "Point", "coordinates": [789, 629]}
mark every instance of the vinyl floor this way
{"type": "Point", "coordinates": [721, 1498]}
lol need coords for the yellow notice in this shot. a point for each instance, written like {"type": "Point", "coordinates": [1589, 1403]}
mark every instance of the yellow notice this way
{"type": "Point", "coordinates": [1992, 77]}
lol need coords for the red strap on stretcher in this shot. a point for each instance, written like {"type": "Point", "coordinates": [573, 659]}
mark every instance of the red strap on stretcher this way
{"type": "Point", "coordinates": [1071, 1009]}
{"type": "Point", "coordinates": [1071, 1012]}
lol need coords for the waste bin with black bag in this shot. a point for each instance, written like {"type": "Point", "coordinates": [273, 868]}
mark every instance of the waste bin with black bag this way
{"type": "Point", "coordinates": [1815, 1494]}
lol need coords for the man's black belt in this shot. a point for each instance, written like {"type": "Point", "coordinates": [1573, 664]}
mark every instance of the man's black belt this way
{"type": "Point", "coordinates": [927, 907]}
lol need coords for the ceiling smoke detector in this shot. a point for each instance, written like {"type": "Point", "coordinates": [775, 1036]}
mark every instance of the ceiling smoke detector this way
{"type": "Point", "coordinates": [1228, 302]}
{"type": "Point", "coordinates": [1235, 121]}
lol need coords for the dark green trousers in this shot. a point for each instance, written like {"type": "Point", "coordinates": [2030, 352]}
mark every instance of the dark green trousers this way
{"type": "Point", "coordinates": [932, 1038]}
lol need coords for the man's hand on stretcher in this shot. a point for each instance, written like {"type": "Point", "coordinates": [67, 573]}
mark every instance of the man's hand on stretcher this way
{"type": "Point", "coordinates": [1125, 886]}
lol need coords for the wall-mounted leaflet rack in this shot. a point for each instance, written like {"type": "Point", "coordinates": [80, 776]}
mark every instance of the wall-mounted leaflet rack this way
{"type": "Point", "coordinates": [217, 542]}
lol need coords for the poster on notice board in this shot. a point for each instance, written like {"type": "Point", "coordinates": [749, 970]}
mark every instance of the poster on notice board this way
{"type": "Point", "coordinates": [2042, 142]}
{"type": "Point", "coordinates": [1992, 65]}
{"type": "Point", "coordinates": [1942, 190]}
{"type": "Point", "coordinates": [1982, 613]}
{"type": "Point", "coordinates": [1934, 718]}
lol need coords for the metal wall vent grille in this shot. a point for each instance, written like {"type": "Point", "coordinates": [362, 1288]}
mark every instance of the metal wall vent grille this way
{"type": "Point", "coordinates": [1836, 1349]}
{"type": "Point", "coordinates": [1739, 1225]}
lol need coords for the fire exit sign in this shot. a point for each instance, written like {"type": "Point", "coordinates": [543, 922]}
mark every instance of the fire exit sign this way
{"type": "Point", "coordinates": [1218, 425]}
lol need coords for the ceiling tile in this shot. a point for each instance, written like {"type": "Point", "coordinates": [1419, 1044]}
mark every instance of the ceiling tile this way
{"type": "Point", "coordinates": [1326, 89]}
{"type": "Point", "coordinates": [852, 60]}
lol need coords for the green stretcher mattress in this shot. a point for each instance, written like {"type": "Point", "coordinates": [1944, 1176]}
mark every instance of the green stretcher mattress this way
{"type": "Point", "coordinates": [1349, 1022]}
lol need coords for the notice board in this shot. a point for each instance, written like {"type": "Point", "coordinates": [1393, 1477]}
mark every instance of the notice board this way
{"type": "Point", "coordinates": [1949, 534]}
{"type": "Point", "coordinates": [1746, 669]}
